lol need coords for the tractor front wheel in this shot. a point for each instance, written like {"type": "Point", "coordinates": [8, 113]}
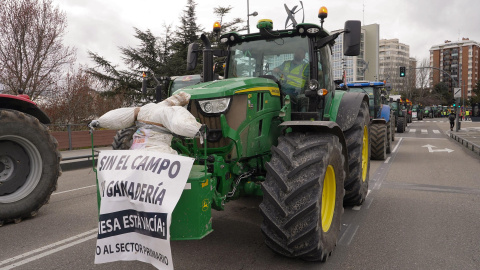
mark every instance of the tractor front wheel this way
{"type": "Point", "coordinates": [303, 194]}
{"type": "Point", "coordinates": [358, 145]}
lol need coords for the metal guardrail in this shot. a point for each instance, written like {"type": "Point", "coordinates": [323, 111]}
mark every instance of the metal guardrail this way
{"type": "Point", "coordinates": [468, 144]}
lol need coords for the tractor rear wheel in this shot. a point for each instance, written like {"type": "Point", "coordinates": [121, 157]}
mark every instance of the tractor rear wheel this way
{"type": "Point", "coordinates": [358, 145]}
{"type": "Point", "coordinates": [378, 135]}
{"type": "Point", "coordinates": [29, 165]}
{"type": "Point", "coordinates": [303, 192]}
{"type": "Point", "coordinates": [401, 125]}
{"type": "Point", "coordinates": [124, 138]}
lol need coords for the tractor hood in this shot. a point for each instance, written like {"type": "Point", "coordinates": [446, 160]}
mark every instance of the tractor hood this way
{"type": "Point", "coordinates": [230, 87]}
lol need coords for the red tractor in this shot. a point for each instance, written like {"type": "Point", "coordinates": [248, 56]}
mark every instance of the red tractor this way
{"type": "Point", "coordinates": [29, 158]}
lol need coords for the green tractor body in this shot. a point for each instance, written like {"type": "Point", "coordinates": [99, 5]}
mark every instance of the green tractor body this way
{"type": "Point", "coordinates": [296, 141]}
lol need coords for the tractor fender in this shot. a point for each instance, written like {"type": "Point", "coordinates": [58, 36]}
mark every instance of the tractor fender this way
{"type": "Point", "coordinates": [347, 109]}
{"type": "Point", "coordinates": [19, 103]}
{"type": "Point", "coordinates": [379, 121]}
{"type": "Point", "coordinates": [320, 127]}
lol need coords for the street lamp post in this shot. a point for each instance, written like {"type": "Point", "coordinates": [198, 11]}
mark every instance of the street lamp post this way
{"type": "Point", "coordinates": [248, 16]}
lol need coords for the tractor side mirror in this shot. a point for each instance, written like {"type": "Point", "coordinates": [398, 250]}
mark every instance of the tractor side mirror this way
{"type": "Point", "coordinates": [192, 56]}
{"type": "Point", "coordinates": [351, 38]}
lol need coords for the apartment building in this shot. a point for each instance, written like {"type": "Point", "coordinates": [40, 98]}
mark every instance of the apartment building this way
{"type": "Point", "coordinates": [460, 60]}
{"type": "Point", "coordinates": [393, 55]}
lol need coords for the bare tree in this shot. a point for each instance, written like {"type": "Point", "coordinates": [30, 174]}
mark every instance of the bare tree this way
{"type": "Point", "coordinates": [423, 78]}
{"type": "Point", "coordinates": [32, 52]}
{"type": "Point", "coordinates": [75, 100]}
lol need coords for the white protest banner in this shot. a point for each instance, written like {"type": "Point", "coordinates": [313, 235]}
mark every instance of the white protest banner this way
{"type": "Point", "coordinates": [139, 190]}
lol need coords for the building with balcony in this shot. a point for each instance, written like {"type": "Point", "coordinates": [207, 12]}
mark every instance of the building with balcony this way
{"type": "Point", "coordinates": [460, 60]}
{"type": "Point", "coordinates": [392, 56]}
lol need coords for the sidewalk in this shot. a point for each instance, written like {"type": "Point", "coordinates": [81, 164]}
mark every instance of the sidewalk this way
{"type": "Point", "coordinates": [79, 159]}
{"type": "Point", "coordinates": [468, 135]}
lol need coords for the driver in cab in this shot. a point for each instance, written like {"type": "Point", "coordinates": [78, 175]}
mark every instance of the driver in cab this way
{"type": "Point", "coordinates": [294, 73]}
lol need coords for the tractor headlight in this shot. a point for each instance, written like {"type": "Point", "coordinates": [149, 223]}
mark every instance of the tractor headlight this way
{"type": "Point", "coordinates": [219, 105]}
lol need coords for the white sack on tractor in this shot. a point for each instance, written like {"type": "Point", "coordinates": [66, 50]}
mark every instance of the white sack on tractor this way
{"type": "Point", "coordinates": [119, 118]}
{"type": "Point", "coordinates": [152, 138]}
{"type": "Point", "coordinates": [177, 119]}
{"type": "Point", "coordinates": [154, 123]}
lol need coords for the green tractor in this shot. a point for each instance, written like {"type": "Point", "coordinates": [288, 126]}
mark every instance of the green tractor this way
{"type": "Point", "coordinates": [417, 111]}
{"type": "Point", "coordinates": [280, 131]}
{"type": "Point", "coordinates": [277, 131]}
{"type": "Point", "coordinates": [399, 114]}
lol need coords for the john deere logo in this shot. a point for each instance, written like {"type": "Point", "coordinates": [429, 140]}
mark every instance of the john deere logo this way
{"type": "Point", "coordinates": [205, 204]}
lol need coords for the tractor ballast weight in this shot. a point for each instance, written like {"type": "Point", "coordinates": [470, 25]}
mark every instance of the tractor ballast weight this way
{"type": "Point", "coordinates": [305, 151]}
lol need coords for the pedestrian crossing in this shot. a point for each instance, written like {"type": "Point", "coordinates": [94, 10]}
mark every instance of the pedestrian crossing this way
{"type": "Point", "coordinates": [422, 131]}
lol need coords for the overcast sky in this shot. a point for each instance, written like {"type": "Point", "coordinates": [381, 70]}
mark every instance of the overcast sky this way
{"type": "Point", "coordinates": [102, 26]}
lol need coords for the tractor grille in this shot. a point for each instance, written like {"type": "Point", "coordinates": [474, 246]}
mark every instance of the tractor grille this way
{"type": "Point", "coordinates": [235, 115]}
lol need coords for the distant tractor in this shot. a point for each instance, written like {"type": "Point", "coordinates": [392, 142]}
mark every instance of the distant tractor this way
{"type": "Point", "coordinates": [29, 158]}
{"type": "Point", "coordinates": [399, 113]}
{"type": "Point", "coordinates": [417, 111]}
{"type": "Point", "coordinates": [381, 128]}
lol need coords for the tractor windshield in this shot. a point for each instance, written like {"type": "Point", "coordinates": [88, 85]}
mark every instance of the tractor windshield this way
{"type": "Point", "coordinates": [286, 58]}
{"type": "Point", "coordinates": [184, 81]}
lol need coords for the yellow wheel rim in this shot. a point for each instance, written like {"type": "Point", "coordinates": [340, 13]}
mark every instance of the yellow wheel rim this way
{"type": "Point", "coordinates": [328, 198]}
{"type": "Point", "coordinates": [365, 154]}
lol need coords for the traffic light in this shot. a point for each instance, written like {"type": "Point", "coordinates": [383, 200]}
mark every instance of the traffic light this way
{"type": "Point", "coordinates": [402, 71]}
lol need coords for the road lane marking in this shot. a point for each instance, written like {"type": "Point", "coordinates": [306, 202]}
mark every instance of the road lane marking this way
{"type": "Point", "coordinates": [61, 242]}
{"type": "Point", "coordinates": [56, 193]}
{"type": "Point", "coordinates": [348, 235]}
{"type": "Point", "coordinates": [386, 160]}
{"type": "Point", "coordinates": [396, 146]}
{"type": "Point", "coordinates": [436, 131]}
{"type": "Point", "coordinates": [412, 130]}
{"type": "Point", "coordinates": [46, 253]}
{"type": "Point", "coordinates": [424, 131]}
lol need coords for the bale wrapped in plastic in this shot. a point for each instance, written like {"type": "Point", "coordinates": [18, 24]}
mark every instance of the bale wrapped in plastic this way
{"type": "Point", "coordinates": [119, 118]}
{"type": "Point", "coordinates": [152, 138]}
{"type": "Point", "coordinates": [176, 119]}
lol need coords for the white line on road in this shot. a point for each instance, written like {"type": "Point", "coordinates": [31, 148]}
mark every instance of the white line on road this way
{"type": "Point", "coordinates": [56, 193]}
{"type": "Point", "coordinates": [396, 146]}
{"type": "Point", "coordinates": [436, 131]}
{"type": "Point", "coordinates": [85, 234]}
{"type": "Point", "coordinates": [387, 160]}
{"type": "Point", "coordinates": [424, 131]}
{"type": "Point", "coordinates": [412, 130]}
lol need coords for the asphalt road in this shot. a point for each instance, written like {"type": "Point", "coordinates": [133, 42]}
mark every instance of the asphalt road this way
{"type": "Point", "coordinates": [422, 212]}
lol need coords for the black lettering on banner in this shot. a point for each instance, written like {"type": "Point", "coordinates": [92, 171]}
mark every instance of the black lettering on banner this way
{"type": "Point", "coordinates": [126, 221]}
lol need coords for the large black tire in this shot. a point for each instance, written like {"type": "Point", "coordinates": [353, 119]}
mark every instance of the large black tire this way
{"type": "Point", "coordinates": [303, 192]}
{"type": "Point", "coordinates": [124, 138]}
{"type": "Point", "coordinates": [401, 124]}
{"type": "Point", "coordinates": [358, 145]}
{"type": "Point", "coordinates": [393, 127]}
{"type": "Point", "coordinates": [378, 139]}
{"type": "Point", "coordinates": [29, 165]}
{"type": "Point", "coordinates": [389, 138]}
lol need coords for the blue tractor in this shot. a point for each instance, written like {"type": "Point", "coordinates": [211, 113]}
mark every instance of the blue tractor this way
{"type": "Point", "coordinates": [382, 129]}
